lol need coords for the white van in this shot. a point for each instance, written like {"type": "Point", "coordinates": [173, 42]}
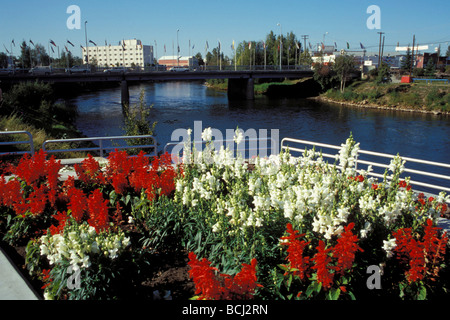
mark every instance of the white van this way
{"type": "Point", "coordinates": [41, 70]}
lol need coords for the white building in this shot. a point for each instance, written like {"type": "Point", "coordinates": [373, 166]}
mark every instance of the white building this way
{"type": "Point", "coordinates": [128, 53]}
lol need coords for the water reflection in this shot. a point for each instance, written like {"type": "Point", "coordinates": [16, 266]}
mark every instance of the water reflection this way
{"type": "Point", "coordinates": [179, 104]}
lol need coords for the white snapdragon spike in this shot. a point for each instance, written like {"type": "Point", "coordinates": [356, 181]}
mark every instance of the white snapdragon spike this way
{"type": "Point", "coordinates": [366, 230]}
{"type": "Point", "coordinates": [207, 134]}
{"type": "Point", "coordinates": [388, 246]}
{"type": "Point", "coordinates": [78, 243]}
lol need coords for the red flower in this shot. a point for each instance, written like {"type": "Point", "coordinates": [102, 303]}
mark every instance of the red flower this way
{"type": "Point", "coordinates": [62, 221]}
{"type": "Point", "coordinates": [420, 256]}
{"type": "Point", "coordinates": [89, 171]}
{"type": "Point", "coordinates": [321, 264]}
{"type": "Point", "coordinates": [212, 286]}
{"type": "Point", "coordinates": [98, 211]}
{"type": "Point", "coordinates": [295, 252]}
{"type": "Point", "coordinates": [77, 203]}
{"type": "Point", "coordinates": [345, 249]}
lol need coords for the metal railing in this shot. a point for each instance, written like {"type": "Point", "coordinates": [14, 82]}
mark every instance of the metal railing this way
{"type": "Point", "coordinates": [255, 146]}
{"type": "Point", "coordinates": [422, 172]}
{"type": "Point", "coordinates": [101, 148]}
{"type": "Point", "coordinates": [10, 143]}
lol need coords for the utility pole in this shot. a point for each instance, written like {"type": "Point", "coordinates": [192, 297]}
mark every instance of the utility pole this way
{"type": "Point", "coordinates": [304, 41]}
{"type": "Point", "coordinates": [379, 49]}
{"type": "Point", "coordinates": [412, 56]}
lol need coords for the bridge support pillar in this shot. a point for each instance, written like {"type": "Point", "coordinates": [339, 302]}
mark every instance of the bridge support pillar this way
{"type": "Point", "coordinates": [243, 88]}
{"type": "Point", "coordinates": [125, 93]}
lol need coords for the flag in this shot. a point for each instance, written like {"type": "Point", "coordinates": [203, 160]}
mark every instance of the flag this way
{"type": "Point", "coordinates": [6, 49]}
{"type": "Point", "coordinates": [67, 50]}
{"type": "Point", "coordinates": [323, 46]}
{"type": "Point", "coordinates": [106, 43]}
{"type": "Point", "coordinates": [310, 46]}
{"type": "Point", "coordinates": [207, 46]}
{"type": "Point", "coordinates": [178, 49]}
{"type": "Point", "coordinates": [52, 49]}
{"type": "Point", "coordinates": [70, 43]}
{"type": "Point", "coordinates": [164, 48]}
{"type": "Point", "coordinates": [362, 47]}
{"type": "Point", "coordinates": [348, 45]}
{"type": "Point", "coordinates": [193, 46]}
{"type": "Point", "coordinates": [249, 45]}
{"type": "Point", "coordinates": [335, 45]}
{"type": "Point", "coordinates": [264, 45]}
{"type": "Point", "coordinates": [232, 45]}
{"type": "Point", "coordinates": [13, 42]}
{"type": "Point", "coordinates": [81, 47]}
{"type": "Point", "coordinates": [53, 43]}
{"type": "Point", "coordinates": [219, 46]}
{"type": "Point", "coordinates": [31, 42]}
{"type": "Point", "coordinates": [90, 41]}
{"type": "Point", "coordinates": [296, 44]}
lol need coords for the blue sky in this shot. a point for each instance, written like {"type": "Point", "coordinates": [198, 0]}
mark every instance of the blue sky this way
{"type": "Point", "coordinates": [213, 21]}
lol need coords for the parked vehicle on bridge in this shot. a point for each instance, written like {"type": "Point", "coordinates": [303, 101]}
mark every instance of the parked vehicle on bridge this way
{"type": "Point", "coordinates": [116, 70]}
{"type": "Point", "coordinates": [79, 69]}
{"type": "Point", "coordinates": [179, 69]}
{"type": "Point", "coordinates": [46, 70]}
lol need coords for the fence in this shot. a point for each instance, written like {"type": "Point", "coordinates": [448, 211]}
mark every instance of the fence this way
{"type": "Point", "coordinates": [425, 175]}
{"type": "Point", "coordinates": [10, 143]}
{"type": "Point", "coordinates": [102, 148]}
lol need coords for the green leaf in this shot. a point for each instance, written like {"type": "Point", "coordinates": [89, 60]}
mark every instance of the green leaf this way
{"type": "Point", "coordinates": [333, 294]}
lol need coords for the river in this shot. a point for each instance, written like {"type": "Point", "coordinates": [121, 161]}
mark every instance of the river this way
{"type": "Point", "coordinates": [179, 104]}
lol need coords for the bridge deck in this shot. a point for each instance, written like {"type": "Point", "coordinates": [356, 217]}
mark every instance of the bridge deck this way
{"type": "Point", "coordinates": [158, 76]}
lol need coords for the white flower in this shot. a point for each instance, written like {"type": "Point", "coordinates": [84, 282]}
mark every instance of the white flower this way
{"type": "Point", "coordinates": [388, 246]}
{"type": "Point", "coordinates": [238, 136]}
{"type": "Point", "coordinates": [207, 134]}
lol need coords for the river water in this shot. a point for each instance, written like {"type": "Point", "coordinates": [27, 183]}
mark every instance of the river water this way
{"type": "Point", "coordinates": [179, 104]}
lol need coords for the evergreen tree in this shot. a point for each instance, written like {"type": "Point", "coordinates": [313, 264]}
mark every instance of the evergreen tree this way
{"type": "Point", "coordinates": [430, 68]}
{"type": "Point", "coordinates": [406, 65]}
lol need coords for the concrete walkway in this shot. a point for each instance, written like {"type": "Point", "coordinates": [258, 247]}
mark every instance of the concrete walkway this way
{"type": "Point", "coordinates": [13, 286]}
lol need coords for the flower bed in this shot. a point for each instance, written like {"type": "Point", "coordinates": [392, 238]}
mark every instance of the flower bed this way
{"type": "Point", "coordinates": [280, 228]}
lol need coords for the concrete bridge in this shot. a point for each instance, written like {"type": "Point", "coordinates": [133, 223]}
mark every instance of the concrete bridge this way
{"type": "Point", "coordinates": [240, 83]}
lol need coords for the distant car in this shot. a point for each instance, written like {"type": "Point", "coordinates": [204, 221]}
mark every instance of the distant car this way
{"type": "Point", "coordinates": [179, 69]}
{"type": "Point", "coordinates": [79, 69]}
{"type": "Point", "coordinates": [115, 70]}
{"type": "Point", "coordinates": [46, 70]}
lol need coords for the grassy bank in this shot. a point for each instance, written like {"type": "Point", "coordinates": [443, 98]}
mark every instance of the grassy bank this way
{"type": "Point", "coordinates": [33, 107]}
{"type": "Point", "coordinates": [260, 88]}
{"type": "Point", "coordinates": [420, 97]}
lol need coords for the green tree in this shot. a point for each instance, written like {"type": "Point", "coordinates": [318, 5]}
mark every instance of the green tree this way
{"type": "Point", "coordinates": [3, 60]}
{"type": "Point", "coordinates": [406, 64]}
{"type": "Point", "coordinates": [324, 75]}
{"type": "Point", "coordinates": [384, 73]}
{"type": "Point", "coordinates": [430, 68]}
{"type": "Point", "coordinates": [344, 66]}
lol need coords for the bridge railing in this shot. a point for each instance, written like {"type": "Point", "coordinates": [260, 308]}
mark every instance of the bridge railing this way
{"type": "Point", "coordinates": [104, 144]}
{"type": "Point", "coordinates": [29, 142]}
{"type": "Point", "coordinates": [426, 176]}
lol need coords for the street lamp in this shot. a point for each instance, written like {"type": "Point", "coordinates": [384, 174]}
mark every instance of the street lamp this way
{"type": "Point", "coordinates": [178, 50]}
{"type": "Point", "coordinates": [281, 43]}
{"type": "Point", "coordinates": [324, 40]}
{"type": "Point", "coordinates": [87, 49]}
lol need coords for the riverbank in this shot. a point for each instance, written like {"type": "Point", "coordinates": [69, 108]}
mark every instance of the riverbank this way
{"type": "Point", "coordinates": [34, 107]}
{"type": "Point", "coordinates": [299, 88]}
{"type": "Point", "coordinates": [421, 98]}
